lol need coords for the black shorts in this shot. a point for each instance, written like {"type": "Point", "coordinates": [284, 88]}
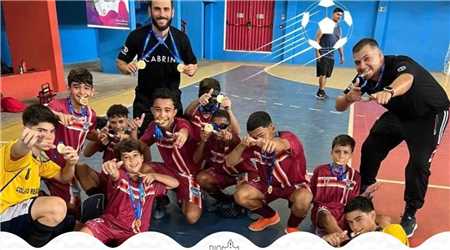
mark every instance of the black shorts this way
{"type": "Point", "coordinates": [324, 67]}
{"type": "Point", "coordinates": [17, 219]}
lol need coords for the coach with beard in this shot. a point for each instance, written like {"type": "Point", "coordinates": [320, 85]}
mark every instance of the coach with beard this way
{"type": "Point", "coordinates": [163, 52]}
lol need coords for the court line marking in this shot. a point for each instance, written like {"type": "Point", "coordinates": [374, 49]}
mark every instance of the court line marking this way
{"type": "Point", "coordinates": [444, 187]}
{"type": "Point", "coordinates": [403, 183]}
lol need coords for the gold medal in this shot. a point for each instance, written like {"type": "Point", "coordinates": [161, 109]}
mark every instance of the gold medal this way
{"type": "Point", "coordinates": [180, 67]}
{"type": "Point", "coordinates": [84, 101]}
{"type": "Point", "coordinates": [61, 148]}
{"type": "Point", "coordinates": [138, 223]}
{"type": "Point", "coordinates": [269, 189]}
{"type": "Point", "coordinates": [220, 98]}
{"type": "Point", "coordinates": [208, 128]}
{"type": "Point", "coordinates": [141, 64]}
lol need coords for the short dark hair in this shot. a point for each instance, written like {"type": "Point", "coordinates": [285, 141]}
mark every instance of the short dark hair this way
{"type": "Point", "coordinates": [128, 145]}
{"type": "Point", "coordinates": [165, 93]}
{"type": "Point", "coordinates": [258, 119]}
{"type": "Point", "coordinates": [361, 203]}
{"type": "Point", "coordinates": [221, 113]}
{"type": "Point", "coordinates": [363, 42]}
{"type": "Point", "coordinates": [150, 4]}
{"type": "Point", "coordinates": [117, 110]}
{"type": "Point", "coordinates": [100, 122]}
{"type": "Point", "coordinates": [337, 9]}
{"type": "Point", "coordinates": [343, 140]}
{"type": "Point", "coordinates": [207, 84]}
{"type": "Point", "coordinates": [80, 75]}
{"type": "Point", "coordinates": [37, 113]}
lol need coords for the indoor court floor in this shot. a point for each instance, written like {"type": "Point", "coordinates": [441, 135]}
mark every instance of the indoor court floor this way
{"type": "Point", "coordinates": [287, 93]}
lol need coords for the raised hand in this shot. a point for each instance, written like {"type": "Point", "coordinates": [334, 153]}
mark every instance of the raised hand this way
{"type": "Point", "coordinates": [370, 190]}
{"type": "Point", "coordinates": [70, 156]}
{"type": "Point", "coordinates": [132, 67]}
{"type": "Point", "coordinates": [65, 119]}
{"type": "Point", "coordinates": [190, 69]}
{"type": "Point", "coordinates": [112, 168]}
{"type": "Point", "coordinates": [226, 103]}
{"type": "Point", "coordinates": [30, 137]}
{"type": "Point", "coordinates": [267, 146]}
{"type": "Point", "coordinates": [179, 139]}
{"type": "Point", "coordinates": [147, 179]}
{"type": "Point", "coordinates": [136, 123]}
{"type": "Point", "coordinates": [248, 141]}
{"type": "Point", "coordinates": [204, 99]}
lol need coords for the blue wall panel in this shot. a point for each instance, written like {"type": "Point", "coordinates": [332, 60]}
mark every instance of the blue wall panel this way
{"type": "Point", "coordinates": [420, 30]}
{"type": "Point", "coordinates": [415, 28]}
{"type": "Point", "coordinates": [78, 42]}
{"type": "Point", "coordinates": [192, 12]}
{"type": "Point", "coordinates": [5, 54]}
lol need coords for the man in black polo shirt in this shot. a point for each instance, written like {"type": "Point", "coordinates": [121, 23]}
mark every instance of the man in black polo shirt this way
{"type": "Point", "coordinates": [417, 114]}
{"type": "Point", "coordinates": [163, 52]}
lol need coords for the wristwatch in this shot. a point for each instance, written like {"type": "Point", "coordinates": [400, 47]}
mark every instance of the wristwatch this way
{"type": "Point", "coordinates": [389, 89]}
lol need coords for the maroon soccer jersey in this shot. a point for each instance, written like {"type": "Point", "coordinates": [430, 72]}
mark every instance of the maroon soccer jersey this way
{"type": "Point", "coordinates": [332, 194]}
{"type": "Point", "coordinates": [119, 210]}
{"type": "Point", "coordinates": [197, 119]}
{"type": "Point", "coordinates": [289, 167]}
{"type": "Point", "coordinates": [180, 160]}
{"type": "Point", "coordinates": [72, 135]}
{"type": "Point", "coordinates": [215, 151]}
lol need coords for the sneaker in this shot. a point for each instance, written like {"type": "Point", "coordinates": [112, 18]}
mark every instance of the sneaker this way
{"type": "Point", "coordinates": [289, 230]}
{"type": "Point", "coordinates": [409, 225]}
{"type": "Point", "coordinates": [321, 95]}
{"type": "Point", "coordinates": [230, 210]}
{"type": "Point", "coordinates": [262, 223]}
{"type": "Point", "coordinates": [159, 207]}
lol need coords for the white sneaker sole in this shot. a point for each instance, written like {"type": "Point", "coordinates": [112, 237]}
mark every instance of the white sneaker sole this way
{"type": "Point", "coordinates": [414, 230]}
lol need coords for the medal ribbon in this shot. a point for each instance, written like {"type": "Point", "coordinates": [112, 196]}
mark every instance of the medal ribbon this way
{"type": "Point", "coordinates": [136, 204]}
{"type": "Point", "coordinates": [339, 171]}
{"type": "Point", "coordinates": [161, 41]}
{"type": "Point", "coordinates": [83, 113]}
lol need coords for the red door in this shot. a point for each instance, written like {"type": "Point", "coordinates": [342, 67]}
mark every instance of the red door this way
{"type": "Point", "coordinates": [249, 25]}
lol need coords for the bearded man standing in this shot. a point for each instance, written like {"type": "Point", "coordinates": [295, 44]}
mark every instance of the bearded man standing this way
{"type": "Point", "coordinates": [158, 53]}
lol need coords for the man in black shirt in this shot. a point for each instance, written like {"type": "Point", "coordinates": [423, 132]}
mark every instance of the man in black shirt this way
{"type": "Point", "coordinates": [163, 52]}
{"type": "Point", "coordinates": [417, 114]}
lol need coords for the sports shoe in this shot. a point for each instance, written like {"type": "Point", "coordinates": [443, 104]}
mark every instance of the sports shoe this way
{"type": "Point", "coordinates": [321, 95]}
{"type": "Point", "coordinates": [289, 230]}
{"type": "Point", "coordinates": [230, 210]}
{"type": "Point", "coordinates": [262, 223]}
{"type": "Point", "coordinates": [409, 225]}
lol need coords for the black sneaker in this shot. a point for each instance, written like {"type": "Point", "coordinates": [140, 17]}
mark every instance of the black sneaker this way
{"type": "Point", "coordinates": [230, 210]}
{"type": "Point", "coordinates": [409, 225]}
{"type": "Point", "coordinates": [321, 95]}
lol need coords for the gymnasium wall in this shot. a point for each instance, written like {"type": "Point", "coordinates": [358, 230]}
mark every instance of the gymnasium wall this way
{"type": "Point", "coordinates": [415, 28]}
{"type": "Point", "coordinates": [419, 29]}
{"type": "Point", "coordinates": [78, 42]}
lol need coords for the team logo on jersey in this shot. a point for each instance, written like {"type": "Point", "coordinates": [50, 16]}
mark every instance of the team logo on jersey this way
{"type": "Point", "coordinates": [124, 50]}
{"type": "Point", "coordinates": [401, 68]}
{"type": "Point", "coordinates": [349, 184]}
